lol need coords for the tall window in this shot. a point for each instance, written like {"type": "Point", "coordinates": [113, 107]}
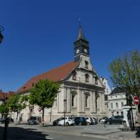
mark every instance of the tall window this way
{"type": "Point", "coordinates": [122, 104]}
{"type": "Point", "coordinates": [73, 99]}
{"type": "Point", "coordinates": [111, 105]}
{"type": "Point", "coordinates": [116, 105]}
{"type": "Point", "coordinates": [86, 64]}
{"type": "Point", "coordinates": [86, 78]}
{"type": "Point", "coordinates": [87, 100]}
{"type": "Point", "coordinates": [74, 76]}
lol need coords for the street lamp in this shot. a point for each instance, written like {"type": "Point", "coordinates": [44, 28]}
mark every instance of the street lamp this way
{"type": "Point", "coordinates": [1, 36]}
{"type": "Point", "coordinates": [64, 109]}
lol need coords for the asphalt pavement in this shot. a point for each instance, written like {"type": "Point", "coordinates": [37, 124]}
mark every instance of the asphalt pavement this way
{"type": "Point", "coordinates": [37, 132]}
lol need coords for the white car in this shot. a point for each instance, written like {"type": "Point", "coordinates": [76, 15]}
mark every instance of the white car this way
{"type": "Point", "coordinates": [103, 120]}
{"type": "Point", "coordinates": [67, 121]}
{"type": "Point", "coordinates": [89, 120]}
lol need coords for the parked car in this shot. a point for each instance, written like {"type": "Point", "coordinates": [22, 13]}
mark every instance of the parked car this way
{"type": "Point", "coordinates": [80, 121]}
{"type": "Point", "coordinates": [95, 120]}
{"type": "Point", "coordinates": [89, 120]}
{"type": "Point", "coordinates": [115, 120]}
{"type": "Point", "coordinates": [103, 120]}
{"type": "Point", "coordinates": [34, 120]}
{"type": "Point", "coordinates": [67, 121]}
{"type": "Point", "coordinates": [1, 120]}
{"type": "Point", "coordinates": [55, 122]}
{"type": "Point", "coordinates": [10, 120]}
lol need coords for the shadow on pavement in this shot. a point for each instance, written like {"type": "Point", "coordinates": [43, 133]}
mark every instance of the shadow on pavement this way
{"type": "Point", "coordinates": [16, 133]}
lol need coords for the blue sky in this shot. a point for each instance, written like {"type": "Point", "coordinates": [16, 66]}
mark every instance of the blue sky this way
{"type": "Point", "coordinates": [39, 35]}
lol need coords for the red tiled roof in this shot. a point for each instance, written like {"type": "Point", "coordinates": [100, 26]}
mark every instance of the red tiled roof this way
{"type": "Point", "coordinates": [54, 75]}
{"type": "Point", "coordinates": [4, 95]}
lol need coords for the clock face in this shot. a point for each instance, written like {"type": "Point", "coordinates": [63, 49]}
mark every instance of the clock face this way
{"type": "Point", "coordinates": [85, 50]}
{"type": "Point", "coordinates": [77, 51]}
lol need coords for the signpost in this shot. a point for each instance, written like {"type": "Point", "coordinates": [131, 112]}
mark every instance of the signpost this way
{"type": "Point", "coordinates": [136, 100]}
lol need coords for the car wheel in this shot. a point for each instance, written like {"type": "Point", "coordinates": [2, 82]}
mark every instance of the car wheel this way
{"type": "Point", "coordinates": [67, 124]}
{"type": "Point", "coordinates": [80, 123]}
{"type": "Point", "coordinates": [54, 124]}
{"type": "Point", "coordinates": [88, 123]}
{"type": "Point", "coordinates": [108, 123]}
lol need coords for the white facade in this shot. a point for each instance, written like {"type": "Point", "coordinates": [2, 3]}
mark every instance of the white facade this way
{"type": "Point", "coordinates": [116, 101]}
{"type": "Point", "coordinates": [106, 93]}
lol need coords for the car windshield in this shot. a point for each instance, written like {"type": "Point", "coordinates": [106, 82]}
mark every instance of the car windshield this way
{"type": "Point", "coordinates": [33, 118]}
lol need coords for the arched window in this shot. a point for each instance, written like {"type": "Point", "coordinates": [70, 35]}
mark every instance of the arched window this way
{"type": "Point", "coordinates": [86, 64]}
{"type": "Point", "coordinates": [86, 78]}
{"type": "Point", "coordinates": [73, 99]}
{"type": "Point", "coordinates": [74, 76]}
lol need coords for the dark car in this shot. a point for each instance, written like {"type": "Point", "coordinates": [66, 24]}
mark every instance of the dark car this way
{"type": "Point", "coordinates": [10, 120]}
{"type": "Point", "coordinates": [34, 120]}
{"type": "Point", "coordinates": [115, 120]}
{"type": "Point", "coordinates": [55, 122]}
{"type": "Point", "coordinates": [80, 121]}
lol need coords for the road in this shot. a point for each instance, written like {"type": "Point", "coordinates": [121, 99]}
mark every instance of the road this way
{"type": "Point", "coordinates": [26, 132]}
{"type": "Point", "coordinates": [36, 132]}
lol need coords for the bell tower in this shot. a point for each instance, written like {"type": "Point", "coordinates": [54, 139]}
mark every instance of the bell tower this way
{"type": "Point", "coordinates": [81, 45]}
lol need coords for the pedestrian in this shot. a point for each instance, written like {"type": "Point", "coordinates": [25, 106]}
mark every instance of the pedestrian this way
{"type": "Point", "coordinates": [137, 124]}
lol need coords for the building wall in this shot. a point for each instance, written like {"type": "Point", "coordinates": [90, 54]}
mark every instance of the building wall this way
{"type": "Point", "coordinates": [115, 104]}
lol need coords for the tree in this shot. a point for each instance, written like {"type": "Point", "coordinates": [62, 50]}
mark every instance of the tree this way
{"type": "Point", "coordinates": [4, 109]}
{"type": "Point", "coordinates": [16, 103]}
{"type": "Point", "coordinates": [43, 94]}
{"type": "Point", "coordinates": [125, 73]}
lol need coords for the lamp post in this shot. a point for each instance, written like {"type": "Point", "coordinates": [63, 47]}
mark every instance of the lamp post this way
{"type": "Point", "coordinates": [64, 109]}
{"type": "Point", "coordinates": [1, 36]}
{"type": "Point", "coordinates": [6, 121]}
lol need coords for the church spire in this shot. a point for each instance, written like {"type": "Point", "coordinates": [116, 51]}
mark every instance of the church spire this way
{"type": "Point", "coordinates": [80, 34]}
{"type": "Point", "coordinates": [81, 45]}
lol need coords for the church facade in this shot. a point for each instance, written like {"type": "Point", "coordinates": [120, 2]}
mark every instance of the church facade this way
{"type": "Point", "coordinates": [81, 90]}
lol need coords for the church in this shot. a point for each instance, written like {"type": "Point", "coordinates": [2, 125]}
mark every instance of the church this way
{"type": "Point", "coordinates": [81, 90]}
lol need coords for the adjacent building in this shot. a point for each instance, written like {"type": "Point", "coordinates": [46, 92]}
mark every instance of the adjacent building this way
{"type": "Point", "coordinates": [116, 101]}
{"type": "Point", "coordinates": [81, 92]}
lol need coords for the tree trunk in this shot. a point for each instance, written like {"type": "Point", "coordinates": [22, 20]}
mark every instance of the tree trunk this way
{"type": "Point", "coordinates": [43, 116]}
{"type": "Point", "coordinates": [17, 118]}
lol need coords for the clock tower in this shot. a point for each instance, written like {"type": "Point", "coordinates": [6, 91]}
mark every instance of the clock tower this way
{"type": "Point", "coordinates": [81, 45]}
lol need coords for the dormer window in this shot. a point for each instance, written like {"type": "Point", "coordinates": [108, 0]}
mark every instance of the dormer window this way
{"type": "Point", "coordinates": [86, 64]}
{"type": "Point", "coordinates": [86, 78]}
{"type": "Point", "coordinates": [74, 76]}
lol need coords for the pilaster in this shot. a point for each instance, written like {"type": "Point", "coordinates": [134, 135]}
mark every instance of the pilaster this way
{"type": "Point", "coordinates": [68, 100]}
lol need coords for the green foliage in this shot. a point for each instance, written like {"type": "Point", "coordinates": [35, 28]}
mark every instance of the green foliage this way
{"type": "Point", "coordinates": [125, 73]}
{"type": "Point", "coordinates": [17, 102]}
{"type": "Point", "coordinates": [4, 108]}
{"type": "Point", "coordinates": [44, 93]}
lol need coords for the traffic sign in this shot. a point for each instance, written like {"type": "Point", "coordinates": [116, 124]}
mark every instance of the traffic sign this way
{"type": "Point", "coordinates": [136, 100]}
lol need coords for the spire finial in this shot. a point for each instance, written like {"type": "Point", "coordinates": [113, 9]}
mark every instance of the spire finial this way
{"type": "Point", "coordinates": [79, 22]}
